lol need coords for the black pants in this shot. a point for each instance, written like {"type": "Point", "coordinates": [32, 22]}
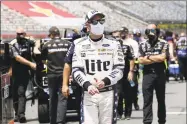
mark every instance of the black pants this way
{"type": "Point", "coordinates": [19, 88]}
{"type": "Point", "coordinates": [57, 102]}
{"type": "Point", "coordinates": [153, 81]}
{"type": "Point", "coordinates": [135, 88]}
{"type": "Point", "coordinates": [124, 92]}
{"type": "Point", "coordinates": [183, 68]}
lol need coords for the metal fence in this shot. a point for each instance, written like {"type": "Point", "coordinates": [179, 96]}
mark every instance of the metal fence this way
{"type": "Point", "coordinates": [6, 101]}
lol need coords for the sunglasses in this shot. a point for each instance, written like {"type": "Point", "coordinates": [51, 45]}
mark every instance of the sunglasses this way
{"type": "Point", "coordinates": [95, 22]}
{"type": "Point", "coordinates": [150, 31]}
{"type": "Point", "coordinates": [116, 37]}
{"type": "Point", "coordinates": [20, 33]}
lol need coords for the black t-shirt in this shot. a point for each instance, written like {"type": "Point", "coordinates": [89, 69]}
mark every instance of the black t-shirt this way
{"type": "Point", "coordinates": [145, 49]}
{"type": "Point", "coordinates": [54, 52]}
{"type": "Point", "coordinates": [128, 54]}
{"type": "Point", "coordinates": [69, 55]}
{"type": "Point", "coordinates": [19, 69]}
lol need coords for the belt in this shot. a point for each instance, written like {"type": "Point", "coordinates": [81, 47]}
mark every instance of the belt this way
{"type": "Point", "coordinates": [152, 71]}
{"type": "Point", "coordinates": [105, 89]}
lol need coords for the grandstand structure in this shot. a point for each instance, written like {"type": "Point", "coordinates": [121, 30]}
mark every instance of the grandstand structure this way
{"type": "Point", "coordinates": [10, 20]}
{"type": "Point", "coordinates": [132, 14]}
{"type": "Point", "coordinates": [114, 17]}
{"type": "Point", "coordinates": [154, 11]}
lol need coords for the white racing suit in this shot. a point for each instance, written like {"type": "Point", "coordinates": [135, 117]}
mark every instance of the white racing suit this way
{"type": "Point", "coordinates": [102, 60]}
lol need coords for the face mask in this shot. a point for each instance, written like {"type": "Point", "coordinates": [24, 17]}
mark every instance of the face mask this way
{"type": "Point", "coordinates": [118, 39]}
{"type": "Point", "coordinates": [20, 40]}
{"type": "Point", "coordinates": [152, 38]}
{"type": "Point", "coordinates": [124, 36]}
{"type": "Point", "coordinates": [136, 38]}
{"type": "Point", "coordinates": [97, 29]}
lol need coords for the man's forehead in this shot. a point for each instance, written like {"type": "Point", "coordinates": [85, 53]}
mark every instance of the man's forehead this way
{"type": "Point", "coordinates": [116, 33]}
{"type": "Point", "coordinates": [151, 26]}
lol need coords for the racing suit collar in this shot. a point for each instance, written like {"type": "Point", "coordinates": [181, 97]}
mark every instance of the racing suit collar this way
{"type": "Point", "coordinates": [96, 42]}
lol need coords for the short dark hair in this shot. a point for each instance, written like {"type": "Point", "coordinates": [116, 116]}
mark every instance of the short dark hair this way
{"type": "Point", "coordinates": [54, 31]}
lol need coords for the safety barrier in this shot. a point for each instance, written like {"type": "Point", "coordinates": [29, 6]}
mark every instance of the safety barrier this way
{"type": "Point", "coordinates": [6, 102]}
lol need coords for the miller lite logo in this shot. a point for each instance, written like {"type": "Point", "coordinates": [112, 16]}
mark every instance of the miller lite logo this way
{"type": "Point", "coordinates": [93, 66]}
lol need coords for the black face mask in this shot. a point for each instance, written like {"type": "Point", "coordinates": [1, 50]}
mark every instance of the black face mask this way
{"type": "Point", "coordinates": [152, 38]}
{"type": "Point", "coordinates": [20, 40]}
{"type": "Point", "coordinates": [124, 36]}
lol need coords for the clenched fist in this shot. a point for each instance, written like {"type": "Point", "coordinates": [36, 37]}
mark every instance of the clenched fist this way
{"type": "Point", "coordinates": [65, 91]}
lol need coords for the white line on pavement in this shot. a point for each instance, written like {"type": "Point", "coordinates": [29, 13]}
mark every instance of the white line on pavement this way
{"type": "Point", "coordinates": [176, 113]}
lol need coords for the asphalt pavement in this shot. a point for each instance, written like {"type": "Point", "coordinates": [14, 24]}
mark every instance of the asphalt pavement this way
{"type": "Point", "coordinates": [175, 103]}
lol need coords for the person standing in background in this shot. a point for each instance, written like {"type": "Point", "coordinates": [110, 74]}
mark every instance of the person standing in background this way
{"type": "Point", "coordinates": [20, 52]}
{"type": "Point", "coordinates": [153, 53]}
{"type": "Point", "coordinates": [181, 50]}
{"type": "Point", "coordinates": [124, 86]}
{"type": "Point", "coordinates": [135, 46]}
{"type": "Point", "coordinates": [54, 51]}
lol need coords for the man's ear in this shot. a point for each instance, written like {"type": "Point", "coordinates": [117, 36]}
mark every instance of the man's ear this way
{"type": "Point", "coordinates": [87, 26]}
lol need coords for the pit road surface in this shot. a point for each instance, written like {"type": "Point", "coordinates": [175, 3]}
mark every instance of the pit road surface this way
{"type": "Point", "coordinates": [175, 103]}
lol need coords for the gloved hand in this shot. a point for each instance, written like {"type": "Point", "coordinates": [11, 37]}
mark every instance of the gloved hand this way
{"type": "Point", "coordinates": [92, 90]}
{"type": "Point", "coordinates": [99, 84]}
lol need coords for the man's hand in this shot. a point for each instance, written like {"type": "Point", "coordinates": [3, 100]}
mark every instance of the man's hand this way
{"type": "Point", "coordinates": [10, 73]}
{"type": "Point", "coordinates": [163, 54]}
{"type": "Point", "coordinates": [33, 65]}
{"type": "Point", "coordinates": [99, 84]}
{"type": "Point", "coordinates": [65, 91]}
{"type": "Point", "coordinates": [130, 75]}
{"type": "Point", "coordinates": [70, 79]}
{"type": "Point", "coordinates": [145, 57]}
{"type": "Point", "coordinates": [92, 90]}
{"type": "Point", "coordinates": [158, 58]}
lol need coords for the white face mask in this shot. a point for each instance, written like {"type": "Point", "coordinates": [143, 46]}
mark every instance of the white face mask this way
{"type": "Point", "coordinates": [97, 29]}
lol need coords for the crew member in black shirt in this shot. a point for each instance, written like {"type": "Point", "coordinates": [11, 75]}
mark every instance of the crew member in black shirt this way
{"type": "Point", "coordinates": [54, 52]}
{"type": "Point", "coordinates": [181, 49]}
{"type": "Point", "coordinates": [125, 91]}
{"type": "Point", "coordinates": [21, 66]}
{"type": "Point", "coordinates": [153, 53]}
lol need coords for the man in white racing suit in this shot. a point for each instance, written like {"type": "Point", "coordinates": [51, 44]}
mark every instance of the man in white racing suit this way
{"type": "Point", "coordinates": [97, 66]}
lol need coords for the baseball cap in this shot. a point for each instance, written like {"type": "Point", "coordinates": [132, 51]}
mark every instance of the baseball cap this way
{"type": "Point", "coordinates": [93, 13]}
{"type": "Point", "coordinates": [54, 31]}
{"type": "Point", "coordinates": [136, 31]}
{"type": "Point", "coordinates": [124, 29]}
